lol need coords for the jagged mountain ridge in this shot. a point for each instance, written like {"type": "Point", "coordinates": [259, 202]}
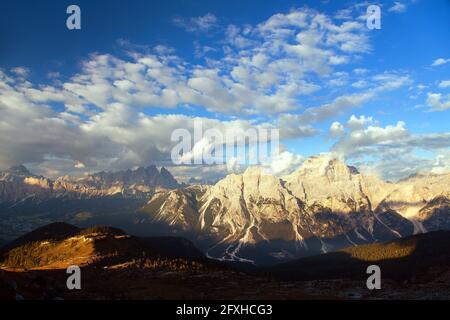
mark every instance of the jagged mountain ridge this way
{"type": "Point", "coordinates": [17, 184]}
{"type": "Point", "coordinates": [323, 206]}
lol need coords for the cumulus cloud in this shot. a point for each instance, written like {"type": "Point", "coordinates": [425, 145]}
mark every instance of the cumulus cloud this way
{"type": "Point", "coordinates": [339, 106]}
{"type": "Point", "coordinates": [390, 150]}
{"type": "Point", "coordinates": [265, 68]}
{"type": "Point", "coordinates": [79, 165]}
{"type": "Point", "coordinates": [118, 136]}
{"type": "Point", "coordinates": [437, 102]}
{"type": "Point", "coordinates": [285, 163]}
{"type": "Point", "coordinates": [439, 62]}
{"type": "Point", "coordinates": [441, 163]}
{"type": "Point", "coordinates": [168, 82]}
{"type": "Point", "coordinates": [444, 84]}
{"type": "Point", "coordinates": [355, 123]}
{"type": "Point", "coordinates": [391, 81]}
{"type": "Point", "coordinates": [21, 71]}
{"type": "Point", "coordinates": [264, 76]}
{"type": "Point", "coordinates": [365, 140]}
{"type": "Point", "coordinates": [336, 129]}
{"type": "Point", "coordinates": [397, 7]}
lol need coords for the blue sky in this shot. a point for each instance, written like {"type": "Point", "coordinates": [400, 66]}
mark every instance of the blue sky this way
{"type": "Point", "coordinates": [109, 95]}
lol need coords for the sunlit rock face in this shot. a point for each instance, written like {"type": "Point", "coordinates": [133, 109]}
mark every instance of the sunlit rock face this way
{"type": "Point", "coordinates": [324, 205]}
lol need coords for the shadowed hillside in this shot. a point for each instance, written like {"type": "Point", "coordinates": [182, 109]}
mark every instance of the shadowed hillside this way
{"type": "Point", "coordinates": [402, 259]}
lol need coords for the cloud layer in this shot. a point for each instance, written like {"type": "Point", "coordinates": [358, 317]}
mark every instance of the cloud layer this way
{"type": "Point", "coordinates": [289, 72]}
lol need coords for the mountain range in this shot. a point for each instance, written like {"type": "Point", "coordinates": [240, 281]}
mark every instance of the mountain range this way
{"type": "Point", "coordinates": [17, 184]}
{"type": "Point", "coordinates": [323, 206]}
{"type": "Point", "coordinates": [254, 217]}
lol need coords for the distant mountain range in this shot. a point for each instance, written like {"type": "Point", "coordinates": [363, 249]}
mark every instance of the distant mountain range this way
{"type": "Point", "coordinates": [29, 201]}
{"type": "Point", "coordinates": [254, 217]}
{"type": "Point", "coordinates": [17, 184]}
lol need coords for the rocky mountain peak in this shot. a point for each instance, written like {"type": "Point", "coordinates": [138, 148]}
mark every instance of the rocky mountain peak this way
{"type": "Point", "coordinates": [254, 171]}
{"type": "Point", "coordinates": [167, 180]}
{"type": "Point", "coordinates": [326, 166]}
{"type": "Point", "coordinates": [139, 176]}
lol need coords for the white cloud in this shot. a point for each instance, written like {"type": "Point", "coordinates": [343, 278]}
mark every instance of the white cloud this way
{"type": "Point", "coordinates": [390, 81]}
{"type": "Point", "coordinates": [339, 106]}
{"type": "Point", "coordinates": [439, 62]}
{"type": "Point", "coordinates": [421, 87]}
{"type": "Point", "coordinates": [444, 84]}
{"type": "Point", "coordinates": [285, 163]}
{"type": "Point", "coordinates": [115, 136]}
{"type": "Point", "coordinates": [79, 165]}
{"type": "Point", "coordinates": [362, 141]}
{"type": "Point", "coordinates": [355, 123]}
{"type": "Point", "coordinates": [202, 50]}
{"type": "Point", "coordinates": [263, 75]}
{"type": "Point", "coordinates": [360, 71]}
{"type": "Point", "coordinates": [442, 163]}
{"type": "Point", "coordinates": [434, 100]}
{"type": "Point", "coordinates": [397, 7]}
{"type": "Point", "coordinates": [390, 150]}
{"type": "Point", "coordinates": [265, 68]}
{"type": "Point", "coordinates": [339, 79]}
{"type": "Point", "coordinates": [21, 71]}
{"type": "Point", "coordinates": [165, 81]}
{"type": "Point", "coordinates": [360, 84]}
{"type": "Point", "coordinates": [336, 129]}
{"type": "Point", "coordinates": [291, 126]}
